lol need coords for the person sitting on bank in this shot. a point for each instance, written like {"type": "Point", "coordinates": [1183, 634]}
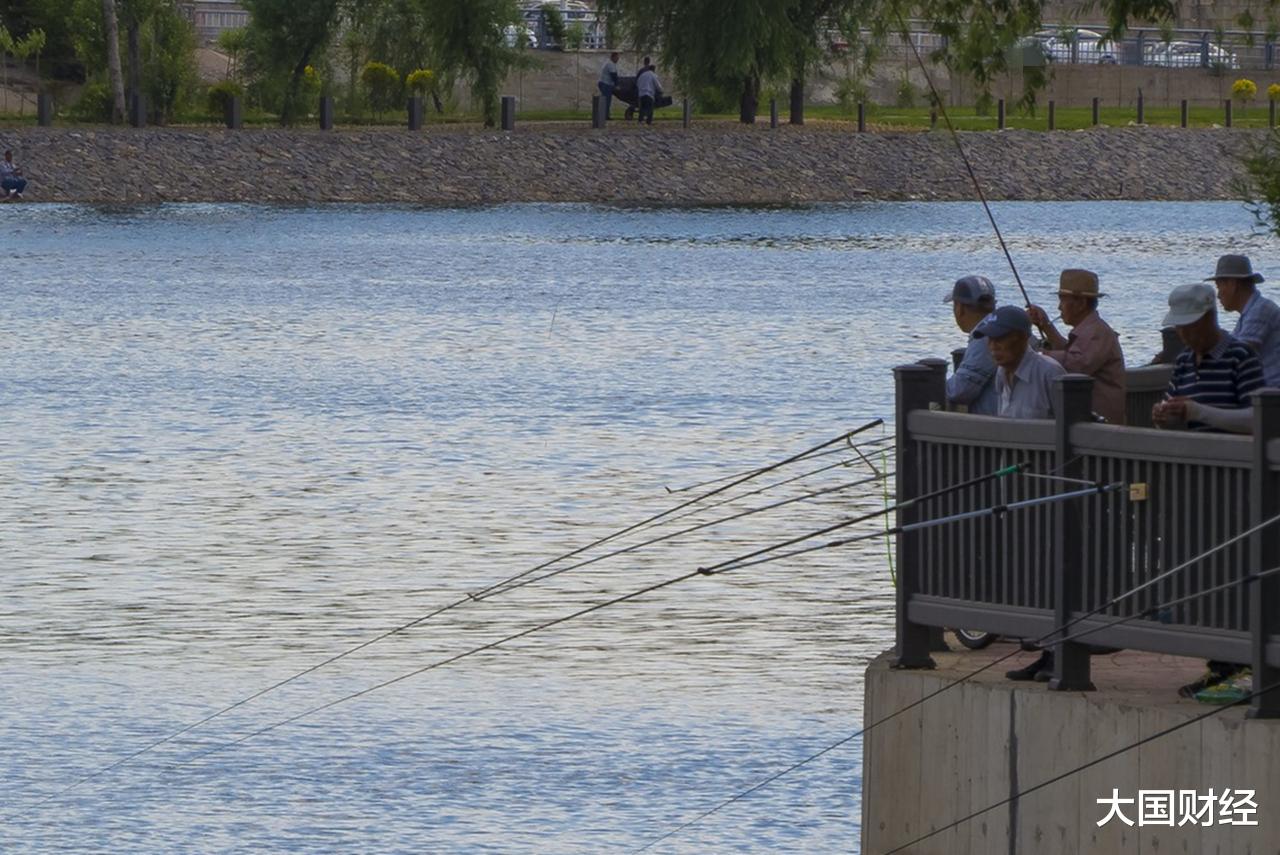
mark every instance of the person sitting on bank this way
{"type": "Point", "coordinates": [11, 180]}
{"type": "Point", "coordinates": [1024, 379]}
{"type": "Point", "coordinates": [1259, 322]}
{"type": "Point", "coordinates": [648, 88]}
{"type": "Point", "coordinates": [1091, 348]}
{"type": "Point", "coordinates": [1214, 376]}
{"type": "Point", "coordinates": [609, 81]}
{"type": "Point", "coordinates": [973, 385]}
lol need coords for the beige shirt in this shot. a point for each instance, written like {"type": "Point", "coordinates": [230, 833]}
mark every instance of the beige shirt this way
{"type": "Point", "coordinates": [1093, 348]}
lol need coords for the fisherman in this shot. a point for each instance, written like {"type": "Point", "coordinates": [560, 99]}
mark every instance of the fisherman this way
{"type": "Point", "coordinates": [1092, 347]}
{"type": "Point", "coordinates": [648, 89]}
{"type": "Point", "coordinates": [973, 385]}
{"type": "Point", "coordinates": [1024, 381]}
{"type": "Point", "coordinates": [11, 181]}
{"type": "Point", "coordinates": [1214, 377]}
{"type": "Point", "coordinates": [1259, 322]}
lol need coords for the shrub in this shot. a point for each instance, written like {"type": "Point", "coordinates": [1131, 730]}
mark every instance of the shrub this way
{"type": "Point", "coordinates": [382, 81]}
{"type": "Point", "coordinates": [1273, 91]}
{"type": "Point", "coordinates": [219, 95]}
{"type": "Point", "coordinates": [851, 92]}
{"type": "Point", "coordinates": [94, 104]}
{"type": "Point", "coordinates": [906, 93]}
{"type": "Point", "coordinates": [1244, 89]}
{"type": "Point", "coordinates": [421, 81]}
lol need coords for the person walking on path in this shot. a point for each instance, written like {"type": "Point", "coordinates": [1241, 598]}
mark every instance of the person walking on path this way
{"type": "Point", "coordinates": [647, 88]}
{"type": "Point", "coordinates": [609, 81]}
{"type": "Point", "coordinates": [1259, 323]}
{"type": "Point", "coordinates": [1091, 348]}
{"type": "Point", "coordinates": [973, 384]}
{"type": "Point", "coordinates": [11, 180]}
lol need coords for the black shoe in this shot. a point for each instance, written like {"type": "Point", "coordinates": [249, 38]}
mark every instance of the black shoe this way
{"type": "Point", "coordinates": [1030, 672]}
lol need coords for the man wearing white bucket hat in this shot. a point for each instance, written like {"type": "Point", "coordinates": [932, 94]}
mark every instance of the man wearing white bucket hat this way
{"type": "Point", "coordinates": [1259, 323]}
{"type": "Point", "coordinates": [1214, 377]}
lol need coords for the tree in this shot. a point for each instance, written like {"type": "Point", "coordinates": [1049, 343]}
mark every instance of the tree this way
{"type": "Point", "coordinates": [111, 31]}
{"type": "Point", "coordinates": [287, 36]}
{"type": "Point", "coordinates": [233, 43]}
{"type": "Point", "coordinates": [467, 37]}
{"type": "Point", "coordinates": [383, 83]}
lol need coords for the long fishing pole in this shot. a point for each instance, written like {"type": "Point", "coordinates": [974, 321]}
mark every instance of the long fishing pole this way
{"type": "Point", "coordinates": [955, 138]}
{"type": "Point", "coordinates": [672, 535]}
{"type": "Point", "coordinates": [972, 674]}
{"type": "Point", "coordinates": [830, 451]}
{"type": "Point", "coordinates": [844, 437]}
{"type": "Point", "coordinates": [723, 567]}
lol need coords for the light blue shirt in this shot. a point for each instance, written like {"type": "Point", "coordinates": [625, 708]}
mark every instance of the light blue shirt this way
{"type": "Point", "coordinates": [1259, 327]}
{"type": "Point", "coordinates": [647, 84]}
{"type": "Point", "coordinates": [1030, 394]}
{"type": "Point", "coordinates": [974, 382]}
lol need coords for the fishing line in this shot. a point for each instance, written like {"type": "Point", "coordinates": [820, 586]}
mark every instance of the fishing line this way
{"type": "Point", "coordinates": [1016, 651]}
{"type": "Point", "coordinates": [872, 442]}
{"type": "Point", "coordinates": [553, 573]}
{"type": "Point", "coordinates": [844, 437]}
{"type": "Point", "coordinates": [955, 138]}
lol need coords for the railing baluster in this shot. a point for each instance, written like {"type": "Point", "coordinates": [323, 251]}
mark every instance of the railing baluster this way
{"type": "Point", "coordinates": [1072, 396]}
{"type": "Point", "coordinates": [1264, 552]}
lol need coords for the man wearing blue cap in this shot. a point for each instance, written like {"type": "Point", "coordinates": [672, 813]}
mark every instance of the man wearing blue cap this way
{"type": "Point", "coordinates": [1259, 323]}
{"type": "Point", "coordinates": [1024, 379]}
{"type": "Point", "coordinates": [973, 385]}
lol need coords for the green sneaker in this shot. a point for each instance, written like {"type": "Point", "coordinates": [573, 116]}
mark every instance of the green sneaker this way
{"type": "Point", "coordinates": [1230, 691]}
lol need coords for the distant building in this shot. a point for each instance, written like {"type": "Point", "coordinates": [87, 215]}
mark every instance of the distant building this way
{"type": "Point", "coordinates": [212, 17]}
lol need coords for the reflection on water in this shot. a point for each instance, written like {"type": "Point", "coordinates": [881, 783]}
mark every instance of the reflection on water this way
{"type": "Point", "coordinates": [236, 440]}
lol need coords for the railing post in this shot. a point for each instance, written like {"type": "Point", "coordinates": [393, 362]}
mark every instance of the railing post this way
{"type": "Point", "coordinates": [917, 387]}
{"type": "Point", "coordinates": [938, 387]}
{"type": "Point", "coordinates": [1264, 553]}
{"type": "Point", "coordinates": [1072, 398]}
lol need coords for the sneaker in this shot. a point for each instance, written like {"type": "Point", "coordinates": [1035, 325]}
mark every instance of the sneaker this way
{"type": "Point", "coordinates": [1030, 671]}
{"type": "Point", "coordinates": [1230, 691]}
{"type": "Point", "coordinates": [1212, 677]}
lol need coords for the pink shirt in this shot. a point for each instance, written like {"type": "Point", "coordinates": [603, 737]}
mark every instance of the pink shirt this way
{"type": "Point", "coordinates": [1093, 348]}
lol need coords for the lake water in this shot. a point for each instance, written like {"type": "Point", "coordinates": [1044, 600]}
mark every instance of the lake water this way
{"type": "Point", "coordinates": [237, 440]}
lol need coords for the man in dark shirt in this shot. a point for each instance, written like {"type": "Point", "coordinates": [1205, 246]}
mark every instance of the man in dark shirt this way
{"type": "Point", "coordinates": [1215, 376]}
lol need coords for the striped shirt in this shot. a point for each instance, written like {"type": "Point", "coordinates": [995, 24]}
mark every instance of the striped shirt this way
{"type": "Point", "coordinates": [1259, 326]}
{"type": "Point", "coordinates": [1225, 377]}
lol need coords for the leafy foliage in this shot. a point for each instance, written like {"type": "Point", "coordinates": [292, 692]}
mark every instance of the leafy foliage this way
{"type": "Point", "coordinates": [383, 83]}
{"type": "Point", "coordinates": [285, 37]}
{"type": "Point", "coordinates": [468, 41]}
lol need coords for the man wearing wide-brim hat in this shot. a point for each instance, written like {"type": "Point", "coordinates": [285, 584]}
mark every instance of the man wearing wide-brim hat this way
{"type": "Point", "coordinates": [1259, 323]}
{"type": "Point", "coordinates": [1092, 347]}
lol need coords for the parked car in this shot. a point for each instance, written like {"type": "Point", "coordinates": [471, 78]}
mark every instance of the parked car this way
{"type": "Point", "coordinates": [1185, 54]}
{"type": "Point", "coordinates": [514, 34]}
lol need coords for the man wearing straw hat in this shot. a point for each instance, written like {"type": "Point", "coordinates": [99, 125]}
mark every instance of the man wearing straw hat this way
{"type": "Point", "coordinates": [1259, 323]}
{"type": "Point", "coordinates": [1092, 347]}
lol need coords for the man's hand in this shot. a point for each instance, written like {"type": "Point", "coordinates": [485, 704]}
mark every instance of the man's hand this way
{"type": "Point", "coordinates": [1170, 413]}
{"type": "Point", "coordinates": [1038, 317]}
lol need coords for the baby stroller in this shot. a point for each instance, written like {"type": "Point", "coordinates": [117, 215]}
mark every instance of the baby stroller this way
{"type": "Point", "coordinates": [627, 93]}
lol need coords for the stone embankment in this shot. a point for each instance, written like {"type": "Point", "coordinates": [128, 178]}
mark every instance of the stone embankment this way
{"type": "Point", "coordinates": [710, 164]}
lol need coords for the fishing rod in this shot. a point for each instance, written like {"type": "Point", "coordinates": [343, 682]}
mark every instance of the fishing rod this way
{"type": "Point", "coordinates": [710, 481]}
{"type": "Point", "coordinates": [971, 675]}
{"type": "Point", "coordinates": [672, 535]}
{"type": "Point", "coordinates": [955, 138]}
{"type": "Point", "coordinates": [723, 567]}
{"type": "Point", "coordinates": [470, 597]}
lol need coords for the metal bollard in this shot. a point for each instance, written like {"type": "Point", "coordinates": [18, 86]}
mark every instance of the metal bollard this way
{"type": "Point", "coordinates": [687, 114]}
{"type": "Point", "coordinates": [1226, 105]}
{"type": "Point", "coordinates": [44, 109]}
{"type": "Point", "coordinates": [597, 111]}
{"type": "Point", "coordinates": [415, 113]}
{"type": "Point", "coordinates": [1053, 123]}
{"type": "Point", "coordinates": [933, 119]}
{"type": "Point", "coordinates": [1095, 112]}
{"type": "Point", "coordinates": [138, 110]}
{"type": "Point", "coordinates": [1141, 112]}
{"type": "Point", "coordinates": [773, 113]}
{"type": "Point", "coordinates": [1184, 112]}
{"type": "Point", "coordinates": [862, 118]}
{"type": "Point", "coordinates": [1271, 113]}
{"type": "Point", "coordinates": [235, 120]}
{"type": "Point", "coordinates": [508, 112]}
{"type": "Point", "coordinates": [326, 112]}
{"type": "Point", "coordinates": [1000, 114]}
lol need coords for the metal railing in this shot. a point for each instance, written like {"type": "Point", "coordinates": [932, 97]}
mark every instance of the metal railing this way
{"type": "Point", "coordinates": [1029, 573]}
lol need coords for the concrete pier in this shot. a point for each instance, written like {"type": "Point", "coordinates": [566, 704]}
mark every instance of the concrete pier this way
{"type": "Point", "coordinates": [982, 741]}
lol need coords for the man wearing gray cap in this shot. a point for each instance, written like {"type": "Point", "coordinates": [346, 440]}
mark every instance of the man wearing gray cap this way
{"type": "Point", "coordinates": [1024, 379]}
{"type": "Point", "coordinates": [973, 385]}
{"type": "Point", "coordinates": [1214, 377]}
{"type": "Point", "coordinates": [1259, 323]}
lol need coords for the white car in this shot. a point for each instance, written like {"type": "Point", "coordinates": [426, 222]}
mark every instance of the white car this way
{"type": "Point", "coordinates": [520, 36]}
{"type": "Point", "coordinates": [1188, 55]}
{"type": "Point", "coordinates": [1090, 47]}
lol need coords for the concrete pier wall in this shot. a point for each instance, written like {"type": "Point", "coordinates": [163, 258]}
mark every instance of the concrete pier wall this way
{"type": "Point", "coordinates": [982, 741]}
